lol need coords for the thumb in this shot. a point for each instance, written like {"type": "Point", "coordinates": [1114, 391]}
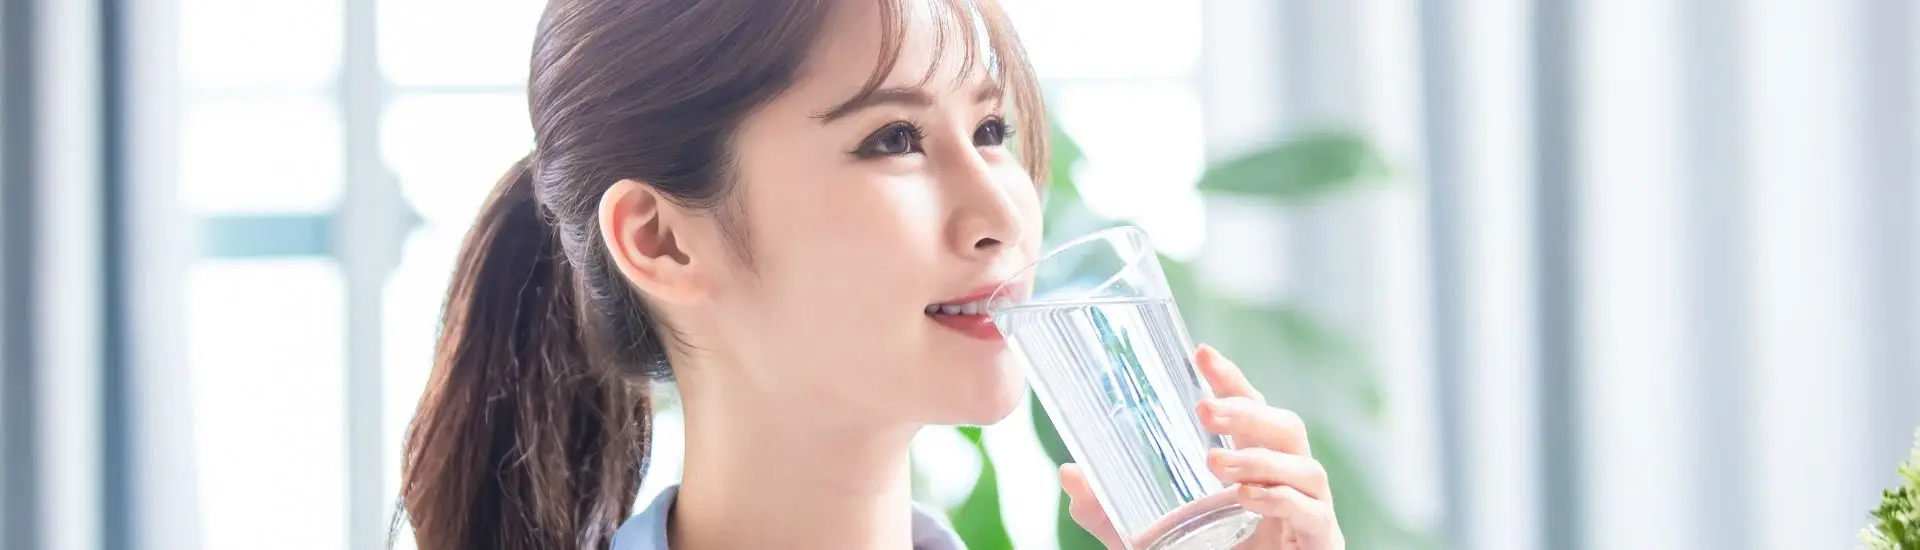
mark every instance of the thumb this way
{"type": "Point", "coordinates": [1085, 508]}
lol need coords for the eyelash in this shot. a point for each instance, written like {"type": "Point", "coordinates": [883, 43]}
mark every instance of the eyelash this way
{"type": "Point", "coordinates": [870, 148]}
{"type": "Point", "coordinates": [1006, 130]}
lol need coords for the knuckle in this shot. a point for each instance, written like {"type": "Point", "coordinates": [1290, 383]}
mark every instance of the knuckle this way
{"type": "Point", "coordinates": [1289, 420]}
{"type": "Point", "coordinates": [1323, 514]}
{"type": "Point", "coordinates": [1316, 473]}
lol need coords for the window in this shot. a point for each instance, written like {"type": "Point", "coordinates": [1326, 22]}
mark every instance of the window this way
{"type": "Point", "coordinates": [266, 345]}
{"type": "Point", "coordinates": [260, 140]}
{"type": "Point", "coordinates": [1121, 78]}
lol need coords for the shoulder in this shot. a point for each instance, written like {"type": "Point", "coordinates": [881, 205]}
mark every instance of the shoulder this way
{"type": "Point", "coordinates": [932, 532]}
{"type": "Point", "coordinates": [647, 530]}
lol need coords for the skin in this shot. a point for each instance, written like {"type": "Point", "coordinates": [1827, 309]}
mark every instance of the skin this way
{"type": "Point", "coordinates": [805, 374]}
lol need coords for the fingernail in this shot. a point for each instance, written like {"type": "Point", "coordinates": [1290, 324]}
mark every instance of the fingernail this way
{"type": "Point", "coordinates": [1230, 458]}
{"type": "Point", "coordinates": [1222, 410]}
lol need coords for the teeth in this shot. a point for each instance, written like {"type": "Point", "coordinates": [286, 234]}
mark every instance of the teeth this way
{"type": "Point", "coordinates": [970, 308]}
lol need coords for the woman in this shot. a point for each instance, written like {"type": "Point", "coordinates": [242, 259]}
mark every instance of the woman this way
{"type": "Point", "coordinates": [762, 201]}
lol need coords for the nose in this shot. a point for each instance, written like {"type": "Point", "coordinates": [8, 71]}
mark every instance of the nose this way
{"type": "Point", "coordinates": [983, 218]}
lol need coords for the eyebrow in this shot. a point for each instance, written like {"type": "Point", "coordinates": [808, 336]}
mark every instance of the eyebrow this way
{"type": "Point", "coordinates": [911, 97]}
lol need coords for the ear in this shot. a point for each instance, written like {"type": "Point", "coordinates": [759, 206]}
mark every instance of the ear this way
{"type": "Point", "coordinates": [640, 227]}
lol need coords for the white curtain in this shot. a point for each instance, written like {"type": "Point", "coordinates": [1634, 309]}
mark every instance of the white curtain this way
{"type": "Point", "coordinates": [1729, 294]}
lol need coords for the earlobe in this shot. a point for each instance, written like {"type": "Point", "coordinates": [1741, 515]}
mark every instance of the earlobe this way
{"type": "Point", "coordinates": [642, 231]}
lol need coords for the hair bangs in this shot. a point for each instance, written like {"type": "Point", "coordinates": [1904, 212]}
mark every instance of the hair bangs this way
{"type": "Point", "coordinates": [1004, 58]}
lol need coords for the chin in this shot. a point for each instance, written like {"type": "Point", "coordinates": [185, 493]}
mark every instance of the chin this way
{"type": "Point", "coordinates": [984, 400]}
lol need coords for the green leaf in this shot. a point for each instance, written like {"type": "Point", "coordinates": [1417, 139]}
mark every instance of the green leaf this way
{"type": "Point", "coordinates": [1187, 293]}
{"type": "Point", "coordinates": [1304, 168]}
{"type": "Point", "coordinates": [978, 520]}
{"type": "Point", "coordinates": [1067, 216]}
{"type": "Point", "coordinates": [1049, 436]}
{"type": "Point", "coordinates": [1364, 518]}
{"type": "Point", "coordinates": [1066, 155]}
{"type": "Point", "coordinates": [1285, 347]}
{"type": "Point", "coordinates": [1896, 523]}
{"type": "Point", "coordinates": [1063, 196]}
{"type": "Point", "coordinates": [1072, 535]}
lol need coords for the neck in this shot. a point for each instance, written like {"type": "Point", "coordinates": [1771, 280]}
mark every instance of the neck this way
{"type": "Point", "coordinates": [770, 471]}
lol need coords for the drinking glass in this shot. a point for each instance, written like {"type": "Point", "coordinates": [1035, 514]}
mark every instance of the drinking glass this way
{"type": "Point", "coordinates": [1112, 364]}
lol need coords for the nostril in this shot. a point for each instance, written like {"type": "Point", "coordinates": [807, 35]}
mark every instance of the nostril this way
{"type": "Point", "coordinates": [986, 243]}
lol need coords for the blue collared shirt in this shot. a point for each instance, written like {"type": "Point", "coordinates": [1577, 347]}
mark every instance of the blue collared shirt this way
{"type": "Point", "coordinates": [648, 530]}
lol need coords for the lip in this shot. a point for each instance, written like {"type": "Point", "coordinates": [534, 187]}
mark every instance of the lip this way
{"type": "Point", "coordinates": [978, 326]}
{"type": "Point", "coordinates": [979, 293]}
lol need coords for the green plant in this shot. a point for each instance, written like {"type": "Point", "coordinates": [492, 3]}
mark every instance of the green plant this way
{"type": "Point", "coordinates": [1303, 364]}
{"type": "Point", "coordinates": [977, 519]}
{"type": "Point", "coordinates": [1896, 521]}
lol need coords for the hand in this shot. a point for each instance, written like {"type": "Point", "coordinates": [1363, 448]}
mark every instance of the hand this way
{"type": "Point", "coordinates": [1273, 464]}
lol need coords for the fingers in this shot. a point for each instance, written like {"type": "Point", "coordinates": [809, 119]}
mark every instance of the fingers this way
{"type": "Point", "coordinates": [1271, 468]}
{"type": "Point", "coordinates": [1224, 377]}
{"type": "Point", "coordinates": [1253, 424]}
{"type": "Point", "coordinates": [1310, 521]}
{"type": "Point", "coordinates": [1084, 508]}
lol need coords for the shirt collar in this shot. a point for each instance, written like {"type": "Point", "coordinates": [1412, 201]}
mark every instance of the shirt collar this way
{"type": "Point", "coordinates": [648, 530]}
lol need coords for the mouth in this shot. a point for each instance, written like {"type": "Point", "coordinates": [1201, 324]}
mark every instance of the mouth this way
{"type": "Point", "coordinates": [976, 307]}
{"type": "Point", "coordinates": [968, 314]}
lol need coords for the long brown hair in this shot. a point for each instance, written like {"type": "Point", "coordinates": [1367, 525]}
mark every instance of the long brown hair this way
{"type": "Point", "coordinates": [534, 426]}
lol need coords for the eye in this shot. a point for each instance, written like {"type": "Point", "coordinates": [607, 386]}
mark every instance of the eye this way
{"type": "Point", "coordinates": [992, 132]}
{"type": "Point", "coordinates": [896, 139]}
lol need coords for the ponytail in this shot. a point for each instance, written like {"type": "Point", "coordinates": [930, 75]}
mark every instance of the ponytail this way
{"type": "Point", "coordinates": [524, 438]}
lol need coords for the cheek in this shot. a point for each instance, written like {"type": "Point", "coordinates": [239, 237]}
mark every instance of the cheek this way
{"type": "Point", "coordinates": [852, 258]}
{"type": "Point", "coordinates": [852, 235]}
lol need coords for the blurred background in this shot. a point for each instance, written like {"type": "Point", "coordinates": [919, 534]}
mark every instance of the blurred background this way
{"type": "Point", "coordinates": [1540, 273]}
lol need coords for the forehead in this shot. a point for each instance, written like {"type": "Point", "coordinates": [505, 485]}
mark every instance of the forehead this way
{"type": "Point", "coordinates": [935, 43]}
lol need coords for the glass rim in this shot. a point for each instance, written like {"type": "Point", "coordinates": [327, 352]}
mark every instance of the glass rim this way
{"type": "Point", "coordinates": [1077, 242]}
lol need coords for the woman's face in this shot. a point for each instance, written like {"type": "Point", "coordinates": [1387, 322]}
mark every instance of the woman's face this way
{"type": "Point", "coordinates": [859, 220]}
